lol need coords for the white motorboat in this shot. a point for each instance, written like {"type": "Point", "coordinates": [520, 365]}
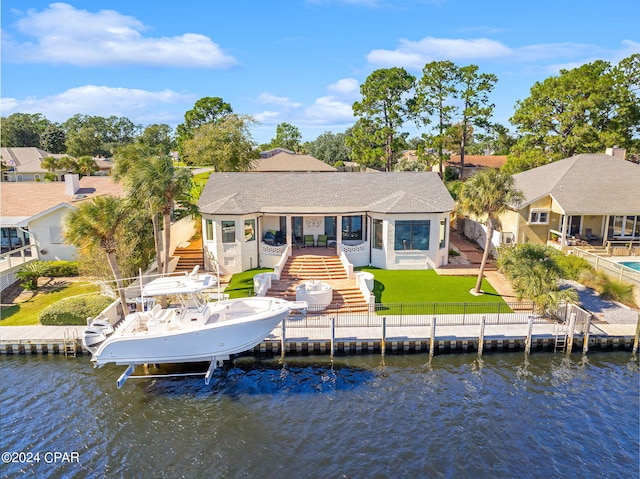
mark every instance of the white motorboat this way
{"type": "Point", "coordinates": [192, 330]}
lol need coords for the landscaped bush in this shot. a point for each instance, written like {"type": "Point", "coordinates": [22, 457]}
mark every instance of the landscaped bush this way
{"type": "Point", "coordinates": [74, 311]}
{"type": "Point", "coordinates": [608, 287]}
{"type": "Point", "coordinates": [572, 266]}
{"type": "Point", "coordinates": [63, 268]}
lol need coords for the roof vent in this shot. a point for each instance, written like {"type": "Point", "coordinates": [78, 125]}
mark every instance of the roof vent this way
{"type": "Point", "coordinates": [617, 152]}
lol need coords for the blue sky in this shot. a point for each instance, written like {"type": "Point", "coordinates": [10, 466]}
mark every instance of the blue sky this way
{"type": "Point", "coordinates": [295, 61]}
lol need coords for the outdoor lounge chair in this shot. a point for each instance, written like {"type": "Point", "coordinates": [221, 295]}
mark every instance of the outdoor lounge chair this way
{"type": "Point", "coordinates": [279, 238]}
{"type": "Point", "coordinates": [269, 238]}
{"type": "Point", "coordinates": [322, 240]}
{"type": "Point", "coordinates": [308, 240]}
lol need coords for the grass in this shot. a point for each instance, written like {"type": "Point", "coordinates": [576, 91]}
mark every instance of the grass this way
{"type": "Point", "coordinates": [241, 284]}
{"type": "Point", "coordinates": [26, 313]}
{"type": "Point", "coordinates": [425, 286]}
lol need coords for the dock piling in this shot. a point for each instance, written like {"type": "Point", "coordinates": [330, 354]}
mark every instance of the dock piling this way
{"type": "Point", "coordinates": [481, 336]}
{"type": "Point", "coordinates": [570, 333]}
{"type": "Point", "coordinates": [527, 347]}
{"type": "Point", "coordinates": [432, 342]}
{"type": "Point", "coordinates": [636, 340]}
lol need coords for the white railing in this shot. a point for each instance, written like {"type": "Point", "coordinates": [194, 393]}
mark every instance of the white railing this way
{"type": "Point", "coordinates": [277, 269]}
{"type": "Point", "coordinates": [345, 262]}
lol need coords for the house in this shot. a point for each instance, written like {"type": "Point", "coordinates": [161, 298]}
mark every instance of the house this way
{"type": "Point", "coordinates": [275, 151]}
{"type": "Point", "coordinates": [587, 197]}
{"type": "Point", "coordinates": [25, 164]}
{"type": "Point", "coordinates": [33, 212]}
{"type": "Point", "coordinates": [473, 163]}
{"type": "Point", "coordinates": [283, 160]}
{"type": "Point", "coordinates": [396, 220]}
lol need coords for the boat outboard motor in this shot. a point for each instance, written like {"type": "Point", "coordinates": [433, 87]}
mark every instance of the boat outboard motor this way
{"type": "Point", "coordinates": [91, 338]}
{"type": "Point", "coordinates": [102, 325]}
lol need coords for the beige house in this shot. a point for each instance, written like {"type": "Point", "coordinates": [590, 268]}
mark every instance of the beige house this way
{"type": "Point", "coordinates": [25, 164]}
{"type": "Point", "coordinates": [586, 198]}
{"type": "Point", "coordinates": [285, 160]}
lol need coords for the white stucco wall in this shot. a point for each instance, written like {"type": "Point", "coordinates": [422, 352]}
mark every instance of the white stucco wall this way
{"type": "Point", "coordinates": [40, 232]}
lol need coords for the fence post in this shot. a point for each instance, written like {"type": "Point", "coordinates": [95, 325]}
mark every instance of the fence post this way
{"type": "Point", "coordinates": [585, 336]}
{"type": "Point", "coordinates": [432, 343]}
{"type": "Point", "coordinates": [383, 343]}
{"type": "Point", "coordinates": [637, 338]}
{"type": "Point", "coordinates": [481, 336]}
{"type": "Point", "coordinates": [572, 326]}
{"type": "Point", "coordinates": [282, 340]}
{"type": "Point", "coordinates": [527, 346]}
{"type": "Point", "coordinates": [333, 334]}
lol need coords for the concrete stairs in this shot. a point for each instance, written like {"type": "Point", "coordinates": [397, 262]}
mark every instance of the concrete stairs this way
{"type": "Point", "coordinates": [346, 296]}
{"type": "Point", "coordinates": [189, 257]}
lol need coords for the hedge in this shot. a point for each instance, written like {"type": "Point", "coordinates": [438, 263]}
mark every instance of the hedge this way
{"type": "Point", "coordinates": [62, 268]}
{"type": "Point", "coordinates": [74, 311]}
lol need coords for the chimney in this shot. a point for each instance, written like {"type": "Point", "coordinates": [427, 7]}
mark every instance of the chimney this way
{"type": "Point", "coordinates": [616, 152]}
{"type": "Point", "coordinates": [71, 183]}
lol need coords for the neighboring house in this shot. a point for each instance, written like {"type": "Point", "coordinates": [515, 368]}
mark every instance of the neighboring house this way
{"type": "Point", "coordinates": [588, 197]}
{"type": "Point", "coordinates": [275, 151]}
{"type": "Point", "coordinates": [25, 164]}
{"type": "Point", "coordinates": [394, 220]}
{"type": "Point", "coordinates": [289, 161]}
{"type": "Point", "coordinates": [33, 212]}
{"type": "Point", "coordinates": [474, 163]}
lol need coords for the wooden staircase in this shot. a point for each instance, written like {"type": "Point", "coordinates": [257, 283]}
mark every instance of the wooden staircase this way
{"type": "Point", "coordinates": [346, 295]}
{"type": "Point", "coordinates": [189, 257]}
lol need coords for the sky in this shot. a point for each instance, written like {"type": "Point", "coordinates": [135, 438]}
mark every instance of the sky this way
{"type": "Point", "coordinates": [296, 61]}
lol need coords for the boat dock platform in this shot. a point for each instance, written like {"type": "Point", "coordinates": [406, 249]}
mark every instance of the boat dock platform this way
{"type": "Point", "coordinates": [378, 339]}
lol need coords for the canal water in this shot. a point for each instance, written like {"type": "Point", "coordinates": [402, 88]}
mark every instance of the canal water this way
{"type": "Point", "coordinates": [351, 417]}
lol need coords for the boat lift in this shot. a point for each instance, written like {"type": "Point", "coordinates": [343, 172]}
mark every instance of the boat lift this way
{"type": "Point", "coordinates": [128, 373]}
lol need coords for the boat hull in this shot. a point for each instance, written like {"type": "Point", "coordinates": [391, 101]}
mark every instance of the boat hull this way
{"type": "Point", "coordinates": [216, 341]}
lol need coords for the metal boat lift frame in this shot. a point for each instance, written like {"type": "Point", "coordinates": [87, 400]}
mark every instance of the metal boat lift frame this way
{"type": "Point", "coordinates": [128, 373]}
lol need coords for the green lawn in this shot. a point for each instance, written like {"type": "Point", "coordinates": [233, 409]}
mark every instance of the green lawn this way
{"type": "Point", "coordinates": [425, 286]}
{"type": "Point", "coordinates": [26, 313]}
{"type": "Point", "coordinates": [241, 284]}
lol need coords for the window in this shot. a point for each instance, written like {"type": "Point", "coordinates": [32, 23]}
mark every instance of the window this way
{"type": "Point", "coordinates": [55, 234]}
{"type": "Point", "coordinates": [377, 234]}
{"type": "Point", "coordinates": [330, 227]}
{"type": "Point", "coordinates": [228, 231]}
{"type": "Point", "coordinates": [539, 217]}
{"type": "Point", "coordinates": [249, 230]}
{"type": "Point", "coordinates": [209, 225]}
{"type": "Point", "coordinates": [352, 227]}
{"type": "Point", "coordinates": [412, 235]}
{"type": "Point", "coordinates": [443, 233]}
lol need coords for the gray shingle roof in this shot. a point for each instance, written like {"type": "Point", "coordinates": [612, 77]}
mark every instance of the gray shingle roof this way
{"type": "Point", "coordinates": [585, 184]}
{"type": "Point", "coordinates": [324, 193]}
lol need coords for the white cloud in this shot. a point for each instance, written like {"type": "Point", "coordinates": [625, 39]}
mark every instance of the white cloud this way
{"type": "Point", "coordinates": [269, 99]}
{"type": "Point", "coordinates": [348, 87]}
{"type": "Point", "coordinates": [140, 106]}
{"type": "Point", "coordinates": [325, 110]}
{"type": "Point", "coordinates": [66, 35]}
{"type": "Point", "coordinates": [416, 53]}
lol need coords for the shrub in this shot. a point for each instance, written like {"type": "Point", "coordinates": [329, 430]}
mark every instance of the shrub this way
{"type": "Point", "coordinates": [572, 266]}
{"type": "Point", "coordinates": [63, 268]}
{"type": "Point", "coordinates": [74, 310]}
{"type": "Point", "coordinates": [608, 287]}
{"type": "Point", "coordinates": [31, 272]}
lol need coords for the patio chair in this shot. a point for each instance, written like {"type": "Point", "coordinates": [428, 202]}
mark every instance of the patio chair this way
{"type": "Point", "coordinates": [308, 240]}
{"type": "Point", "coordinates": [322, 240]}
{"type": "Point", "coordinates": [279, 238]}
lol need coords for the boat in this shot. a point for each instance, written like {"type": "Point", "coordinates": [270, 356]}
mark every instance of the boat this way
{"type": "Point", "coordinates": [191, 330]}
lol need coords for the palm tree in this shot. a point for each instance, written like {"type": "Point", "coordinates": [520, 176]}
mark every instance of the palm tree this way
{"type": "Point", "coordinates": [489, 192]}
{"type": "Point", "coordinates": [98, 223]}
{"type": "Point", "coordinates": [534, 273]}
{"type": "Point", "coordinates": [86, 166]}
{"type": "Point", "coordinates": [154, 182]}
